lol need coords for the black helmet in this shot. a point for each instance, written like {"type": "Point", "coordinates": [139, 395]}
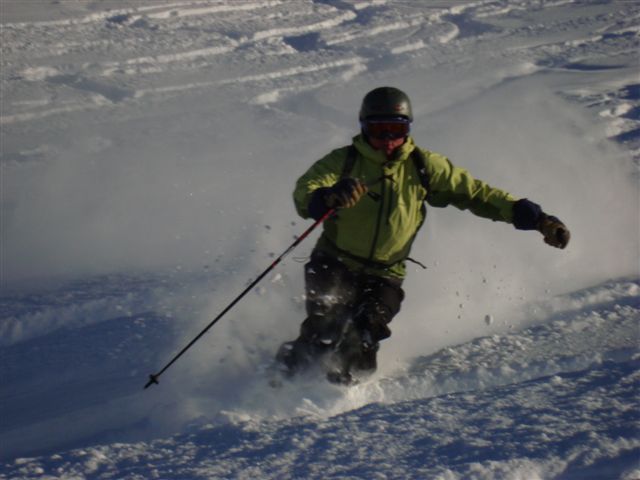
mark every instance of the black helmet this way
{"type": "Point", "coordinates": [386, 101]}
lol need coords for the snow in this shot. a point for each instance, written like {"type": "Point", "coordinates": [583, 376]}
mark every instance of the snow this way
{"type": "Point", "coordinates": [148, 151]}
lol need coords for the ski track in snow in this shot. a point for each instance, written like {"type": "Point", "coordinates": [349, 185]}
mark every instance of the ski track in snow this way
{"type": "Point", "coordinates": [555, 399]}
{"type": "Point", "coordinates": [312, 46]}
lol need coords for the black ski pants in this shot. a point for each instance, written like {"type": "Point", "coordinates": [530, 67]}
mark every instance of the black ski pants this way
{"type": "Point", "coordinates": [335, 294]}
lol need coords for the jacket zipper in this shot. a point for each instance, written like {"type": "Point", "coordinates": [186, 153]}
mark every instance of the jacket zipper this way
{"type": "Point", "coordinates": [379, 219]}
{"type": "Point", "coordinates": [390, 204]}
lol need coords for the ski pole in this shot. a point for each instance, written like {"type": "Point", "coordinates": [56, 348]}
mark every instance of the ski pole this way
{"type": "Point", "coordinates": [153, 378]}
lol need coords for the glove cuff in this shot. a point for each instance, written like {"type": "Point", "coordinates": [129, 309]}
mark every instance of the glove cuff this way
{"type": "Point", "coordinates": [527, 215]}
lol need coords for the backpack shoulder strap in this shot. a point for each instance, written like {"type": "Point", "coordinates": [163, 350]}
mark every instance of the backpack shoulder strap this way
{"type": "Point", "coordinates": [349, 162]}
{"type": "Point", "coordinates": [420, 162]}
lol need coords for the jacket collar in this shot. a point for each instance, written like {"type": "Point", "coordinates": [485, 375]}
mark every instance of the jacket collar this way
{"type": "Point", "coordinates": [401, 154]}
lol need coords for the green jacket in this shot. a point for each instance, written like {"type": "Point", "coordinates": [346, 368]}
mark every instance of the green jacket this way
{"type": "Point", "coordinates": [376, 234]}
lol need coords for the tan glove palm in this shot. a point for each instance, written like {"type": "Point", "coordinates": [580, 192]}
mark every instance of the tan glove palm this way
{"type": "Point", "coordinates": [555, 232]}
{"type": "Point", "coordinates": [345, 194]}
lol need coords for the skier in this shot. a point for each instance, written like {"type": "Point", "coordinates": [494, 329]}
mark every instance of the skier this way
{"type": "Point", "coordinates": [380, 184]}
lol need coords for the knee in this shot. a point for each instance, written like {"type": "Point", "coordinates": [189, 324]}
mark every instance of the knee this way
{"type": "Point", "coordinates": [373, 317]}
{"type": "Point", "coordinates": [319, 329]}
{"type": "Point", "coordinates": [320, 304]}
{"type": "Point", "coordinates": [376, 310]}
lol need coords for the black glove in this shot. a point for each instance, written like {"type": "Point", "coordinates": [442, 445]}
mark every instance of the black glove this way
{"type": "Point", "coordinates": [528, 215]}
{"type": "Point", "coordinates": [345, 194]}
{"type": "Point", "coordinates": [555, 232]}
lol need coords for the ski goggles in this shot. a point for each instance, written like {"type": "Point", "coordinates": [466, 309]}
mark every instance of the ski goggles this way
{"type": "Point", "coordinates": [388, 128]}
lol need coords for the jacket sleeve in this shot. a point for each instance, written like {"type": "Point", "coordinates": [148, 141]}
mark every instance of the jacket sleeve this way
{"type": "Point", "coordinates": [451, 185]}
{"type": "Point", "coordinates": [322, 174]}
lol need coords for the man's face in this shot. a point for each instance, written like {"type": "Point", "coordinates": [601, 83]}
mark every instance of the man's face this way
{"type": "Point", "coordinates": [387, 145]}
{"type": "Point", "coordinates": [386, 133]}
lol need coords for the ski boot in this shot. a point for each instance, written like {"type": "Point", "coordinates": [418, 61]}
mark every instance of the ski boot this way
{"type": "Point", "coordinates": [293, 357]}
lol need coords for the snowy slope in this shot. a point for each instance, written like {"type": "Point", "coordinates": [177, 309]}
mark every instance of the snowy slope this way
{"type": "Point", "coordinates": [148, 150]}
{"type": "Point", "coordinates": [557, 400]}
